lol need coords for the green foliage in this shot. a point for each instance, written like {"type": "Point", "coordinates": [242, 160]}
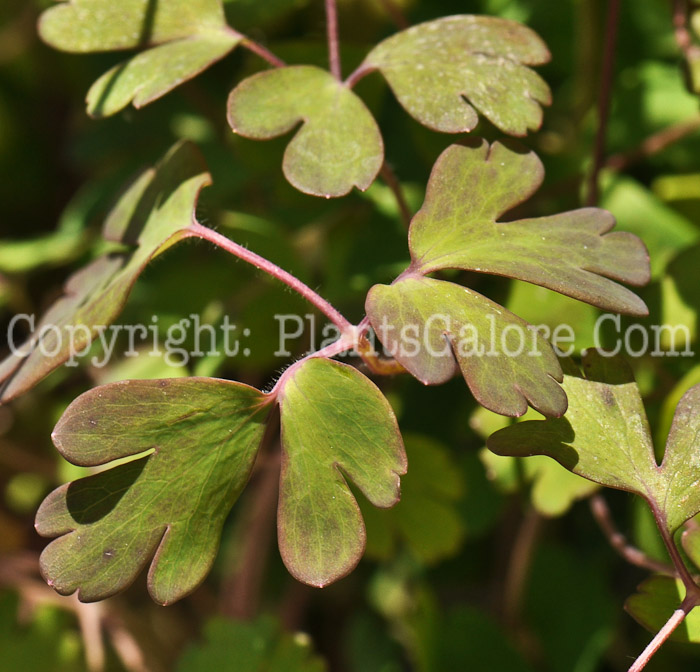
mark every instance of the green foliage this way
{"type": "Point", "coordinates": [605, 438]}
{"type": "Point", "coordinates": [168, 506]}
{"type": "Point", "coordinates": [445, 313]}
{"type": "Point", "coordinates": [157, 464]}
{"type": "Point", "coordinates": [436, 70]}
{"type": "Point", "coordinates": [657, 598]}
{"type": "Point", "coordinates": [423, 321]}
{"type": "Point", "coordinates": [190, 37]}
{"type": "Point", "coordinates": [338, 146]}
{"type": "Point", "coordinates": [470, 188]}
{"type": "Point", "coordinates": [335, 424]}
{"type": "Point", "coordinates": [154, 213]}
{"type": "Point", "coordinates": [426, 520]}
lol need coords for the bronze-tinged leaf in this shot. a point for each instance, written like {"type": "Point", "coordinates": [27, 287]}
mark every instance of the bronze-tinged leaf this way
{"type": "Point", "coordinates": [165, 509]}
{"type": "Point", "coordinates": [153, 214]}
{"type": "Point", "coordinates": [336, 425]}
{"type": "Point", "coordinates": [573, 253]}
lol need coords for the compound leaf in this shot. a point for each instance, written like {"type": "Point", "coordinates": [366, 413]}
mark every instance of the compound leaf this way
{"type": "Point", "coordinates": [192, 35]}
{"type": "Point", "coordinates": [605, 438]}
{"type": "Point", "coordinates": [444, 71]}
{"type": "Point", "coordinates": [338, 146]}
{"type": "Point", "coordinates": [470, 188]}
{"type": "Point", "coordinates": [169, 506]}
{"type": "Point", "coordinates": [654, 602]}
{"type": "Point", "coordinates": [335, 424]}
{"type": "Point", "coordinates": [154, 213]}
{"type": "Point", "coordinates": [435, 328]}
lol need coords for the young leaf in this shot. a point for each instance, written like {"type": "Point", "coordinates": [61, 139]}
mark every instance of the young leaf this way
{"type": "Point", "coordinates": [169, 506]}
{"type": "Point", "coordinates": [433, 328]}
{"type": "Point", "coordinates": [605, 438]}
{"type": "Point", "coordinates": [654, 602]}
{"type": "Point", "coordinates": [338, 146]}
{"type": "Point", "coordinates": [335, 424]}
{"type": "Point", "coordinates": [153, 214]}
{"type": "Point", "coordinates": [572, 253]}
{"type": "Point", "coordinates": [443, 71]}
{"type": "Point", "coordinates": [193, 35]}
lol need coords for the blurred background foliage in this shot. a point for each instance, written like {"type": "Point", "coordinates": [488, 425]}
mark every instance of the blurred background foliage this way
{"type": "Point", "coordinates": [487, 563]}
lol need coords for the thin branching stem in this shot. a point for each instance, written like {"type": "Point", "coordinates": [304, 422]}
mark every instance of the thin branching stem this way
{"type": "Point", "coordinates": [661, 636]}
{"type": "Point", "coordinates": [604, 98]}
{"type": "Point", "coordinates": [333, 42]}
{"type": "Point", "coordinates": [196, 230]}
{"type": "Point", "coordinates": [601, 513]}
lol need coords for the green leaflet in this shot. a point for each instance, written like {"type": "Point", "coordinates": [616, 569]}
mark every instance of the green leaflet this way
{"type": "Point", "coordinates": [471, 188]}
{"type": "Point", "coordinates": [553, 489]}
{"type": "Point", "coordinates": [154, 213]}
{"type": "Point", "coordinates": [444, 71]}
{"type": "Point", "coordinates": [192, 35]}
{"type": "Point", "coordinates": [435, 328]}
{"type": "Point", "coordinates": [335, 424]}
{"type": "Point", "coordinates": [338, 146]}
{"type": "Point", "coordinates": [84, 26]}
{"type": "Point", "coordinates": [157, 71]}
{"type": "Point", "coordinates": [167, 507]}
{"type": "Point", "coordinates": [654, 602]}
{"type": "Point", "coordinates": [605, 438]}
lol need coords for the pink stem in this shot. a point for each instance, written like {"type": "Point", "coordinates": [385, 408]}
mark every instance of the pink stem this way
{"type": "Point", "coordinates": [660, 637]}
{"type": "Point", "coordinates": [343, 344]}
{"type": "Point", "coordinates": [196, 230]}
{"type": "Point", "coordinates": [357, 75]}
{"type": "Point", "coordinates": [333, 46]}
{"type": "Point", "coordinates": [263, 52]}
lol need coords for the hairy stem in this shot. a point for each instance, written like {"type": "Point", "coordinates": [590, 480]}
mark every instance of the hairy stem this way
{"type": "Point", "coordinates": [333, 45]}
{"type": "Point", "coordinates": [661, 636]}
{"type": "Point", "coordinates": [601, 513]}
{"type": "Point", "coordinates": [196, 230]}
{"type": "Point", "coordinates": [604, 98]}
{"type": "Point", "coordinates": [389, 177]}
